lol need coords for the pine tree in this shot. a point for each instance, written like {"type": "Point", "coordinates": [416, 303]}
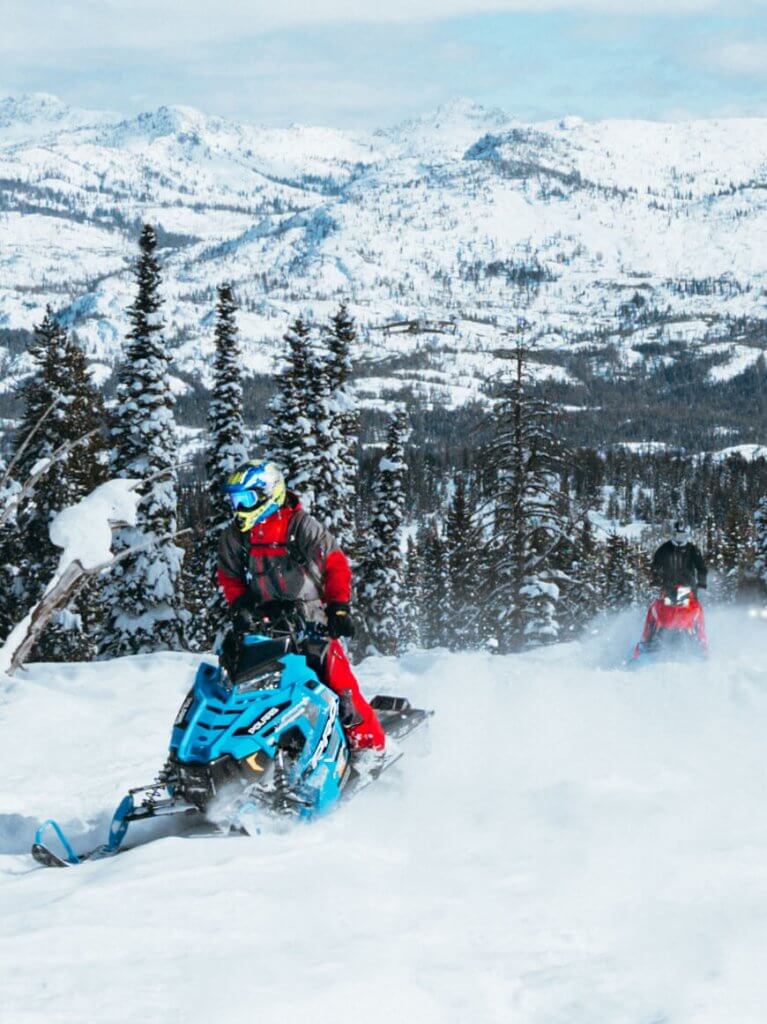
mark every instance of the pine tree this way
{"type": "Point", "coordinates": [144, 592]}
{"type": "Point", "coordinates": [11, 586]}
{"type": "Point", "coordinates": [289, 431]}
{"type": "Point", "coordinates": [340, 513]}
{"type": "Point", "coordinates": [735, 548]}
{"type": "Point", "coordinates": [61, 405]}
{"type": "Point", "coordinates": [619, 572]}
{"type": "Point", "coordinates": [318, 478]}
{"type": "Point", "coordinates": [412, 604]}
{"type": "Point", "coordinates": [760, 544]}
{"type": "Point", "coordinates": [578, 560]}
{"type": "Point", "coordinates": [613, 507]}
{"type": "Point", "coordinates": [435, 573]}
{"type": "Point", "coordinates": [200, 590]}
{"type": "Point", "coordinates": [381, 592]}
{"type": "Point", "coordinates": [462, 548]}
{"type": "Point", "coordinates": [226, 451]}
{"type": "Point", "coordinates": [525, 458]}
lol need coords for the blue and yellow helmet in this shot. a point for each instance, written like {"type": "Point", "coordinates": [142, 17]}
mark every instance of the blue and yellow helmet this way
{"type": "Point", "coordinates": [256, 491]}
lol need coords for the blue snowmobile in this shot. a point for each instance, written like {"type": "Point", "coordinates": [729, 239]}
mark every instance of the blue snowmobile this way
{"type": "Point", "coordinates": [258, 734]}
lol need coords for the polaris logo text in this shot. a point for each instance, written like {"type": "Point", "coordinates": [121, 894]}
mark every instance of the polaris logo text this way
{"type": "Point", "coordinates": [267, 716]}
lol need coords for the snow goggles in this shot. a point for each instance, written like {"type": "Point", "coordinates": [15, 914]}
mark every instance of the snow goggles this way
{"type": "Point", "coordinates": [246, 500]}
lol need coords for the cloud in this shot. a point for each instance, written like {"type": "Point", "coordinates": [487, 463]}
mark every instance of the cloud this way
{"type": "Point", "coordinates": [740, 59]}
{"type": "Point", "coordinates": [159, 24]}
{"type": "Point", "coordinates": [352, 63]}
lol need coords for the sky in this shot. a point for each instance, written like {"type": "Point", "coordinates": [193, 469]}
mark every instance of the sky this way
{"type": "Point", "coordinates": [363, 64]}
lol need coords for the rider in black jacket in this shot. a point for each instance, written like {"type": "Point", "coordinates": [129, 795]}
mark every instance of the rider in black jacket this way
{"type": "Point", "coordinates": [678, 562]}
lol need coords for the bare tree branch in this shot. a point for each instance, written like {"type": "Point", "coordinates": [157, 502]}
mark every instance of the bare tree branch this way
{"type": "Point", "coordinates": [31, 481]}
{"type": "Point", "coordinates": [59, 594]}
{"type": "Point", "coordinates": [27, 441]}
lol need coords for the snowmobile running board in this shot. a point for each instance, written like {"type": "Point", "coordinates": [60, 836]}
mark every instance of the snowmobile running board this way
{"type": "Point", "coordinates": [396, 715]}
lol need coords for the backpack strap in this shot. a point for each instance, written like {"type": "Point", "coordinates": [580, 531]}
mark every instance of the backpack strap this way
{"type": "Point", "coordinates": [245, 551]}
{"type": "Point", "coordinates": [298, 556]}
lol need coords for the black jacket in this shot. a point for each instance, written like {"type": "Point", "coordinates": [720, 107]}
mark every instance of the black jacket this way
{"type": "Point", "coordinates": [679, 566]}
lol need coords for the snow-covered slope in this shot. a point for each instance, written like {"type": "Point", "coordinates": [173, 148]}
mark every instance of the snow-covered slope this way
{"type": "Point", "coordinates": [622, 234]}
{"type": "Point", "coordinates": [32, 117]}
{"type": "Point", "coordinates": [579, 844]}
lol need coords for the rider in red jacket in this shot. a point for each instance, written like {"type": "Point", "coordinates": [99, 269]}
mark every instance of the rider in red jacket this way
{"type": "Point", "coordinates": [275, 553]}
{"type": "Point", "coordinates": [679, 569]}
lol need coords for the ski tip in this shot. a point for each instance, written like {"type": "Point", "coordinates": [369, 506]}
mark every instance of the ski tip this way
{"type": "Point", "coordinates": [47, 858]}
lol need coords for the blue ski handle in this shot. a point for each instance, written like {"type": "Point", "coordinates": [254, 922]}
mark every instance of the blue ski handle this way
{"type": "Point", "coordinates": [117, 830]}
{"type": "Point", "coordinates": [71, 856]}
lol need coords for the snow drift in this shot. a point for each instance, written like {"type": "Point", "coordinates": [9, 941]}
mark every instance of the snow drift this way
{"type": "Point", "coordinates": [579, 844]}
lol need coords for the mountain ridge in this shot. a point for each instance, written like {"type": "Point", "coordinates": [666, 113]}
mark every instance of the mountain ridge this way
{"type": "Point", "coordinates": [616, 240]}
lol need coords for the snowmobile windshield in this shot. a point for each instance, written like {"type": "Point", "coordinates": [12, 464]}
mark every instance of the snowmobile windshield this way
{"type": "Point", "coordinates": [256, 664]}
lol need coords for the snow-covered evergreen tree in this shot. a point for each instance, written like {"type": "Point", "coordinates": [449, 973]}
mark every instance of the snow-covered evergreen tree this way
{"type": "Point", "coordinates": [318, 477]}
{"type": "Point", "coordinates": [462, 553]}
{"type": "Point", "coordinates": [435, 572]}
{"type": "Point", "coordinates": [760, 544]}
{"type": "Point", "coordinates": [578, 560]}
{"type": "Point", "coordinates": [735, 553]}
{"type": "Point", "coordinates": [313, 425]}
{"type": "Point", "coordinates": [289, 431]}
{"type": "Point", "coordinates": [200, 591]}
{"type": "Point", "coordinates": [340, 513]}
{"type": "Point", "coordinates": [619, 573]}
{"type": "Point", "coordinates": [225, 452]}
{"type": "Point", "coordinates": [145, 606]}
{"type": "Point", "coordinates": [11, 587]}
{"type": "Point", "coordinates": [528, 524]}
{"type": "Point", "coordinates": [412, 603]}
{"type": "Point", "coordinates": [382, 588]}
{"type": "Point", "coordinates": [61, 406]}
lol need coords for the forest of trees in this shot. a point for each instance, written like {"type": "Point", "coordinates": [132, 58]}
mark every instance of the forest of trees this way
{"type": "Point", "coordinates": [501, 535]}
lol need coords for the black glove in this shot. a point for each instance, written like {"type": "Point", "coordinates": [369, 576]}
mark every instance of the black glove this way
{"type": "Point", "coordinates": [243, 612]}
{"type": "Point", "coordinates": [340, 622]}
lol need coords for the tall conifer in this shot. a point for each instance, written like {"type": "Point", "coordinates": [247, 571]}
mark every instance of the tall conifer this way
{"type": "Point", "coordinates": [144, 591]}
{"type": "Point", "coordinates": [381, 592]}
{"type": "Point", "coordinates": [341, 512]}
{"type": "Point", "coordinates": [289, 431]}
{"type": "Point", "coordinates": [226, 451]}
{"type": "Point", "coordinates": [528, 523]}
{"type": "Point", "coordinates": [61, 406]}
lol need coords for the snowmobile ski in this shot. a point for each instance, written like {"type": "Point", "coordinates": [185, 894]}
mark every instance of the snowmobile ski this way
{"type": "Point", "coordinates": [127, 812]}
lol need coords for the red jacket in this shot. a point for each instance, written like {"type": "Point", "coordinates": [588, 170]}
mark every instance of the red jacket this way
{"type": "Point", "coordinates": [290, 557]}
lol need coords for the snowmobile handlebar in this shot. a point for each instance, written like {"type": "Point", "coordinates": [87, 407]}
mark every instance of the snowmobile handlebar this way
{"type": "Point", "coordinates": [282, 619]}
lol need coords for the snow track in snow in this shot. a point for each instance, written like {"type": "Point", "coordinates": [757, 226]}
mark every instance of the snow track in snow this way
{"type": "Point", "coordinates": [580, 845]}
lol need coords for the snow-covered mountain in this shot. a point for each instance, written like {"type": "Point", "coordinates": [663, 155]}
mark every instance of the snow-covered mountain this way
{"type": "Point", "coordinates": [614, 237]}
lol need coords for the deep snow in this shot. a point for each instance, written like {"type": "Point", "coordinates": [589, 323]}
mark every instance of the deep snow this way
{"type": "Point", "coordinates": [580, 845]}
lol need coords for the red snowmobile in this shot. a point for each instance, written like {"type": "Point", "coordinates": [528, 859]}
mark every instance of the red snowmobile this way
{"type": "Point", "coordinates": [674, 625]}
